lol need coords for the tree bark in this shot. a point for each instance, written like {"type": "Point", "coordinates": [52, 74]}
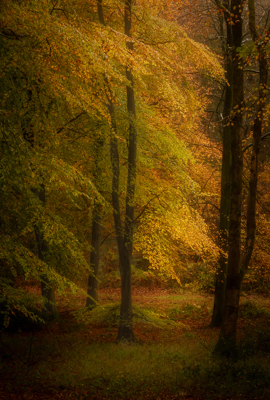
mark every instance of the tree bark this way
{"type": "Point", "coordinates": [92, 288]}
{"type": "Point", "coordinates": [47, 291]}
{"type": "Point", "coordinates": [124, 236]}
{"type": "Point", "coordinates": [256, 140]}
{"type": "Point", "coordinates": [125, 331]}
{"type": "Point", "coordinates": [227, 337]}
{"type": "Point", "coordinates": [225, 196]}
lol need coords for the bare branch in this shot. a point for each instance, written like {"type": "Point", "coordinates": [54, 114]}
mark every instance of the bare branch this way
{"type": "Point", "coordinates": [69, 122]}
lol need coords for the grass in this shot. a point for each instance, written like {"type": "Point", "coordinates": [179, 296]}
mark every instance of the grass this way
{"type": "Point", "coordinates": [252, 310]}
{"type": "Point", "coordinates": [110, 369]}
{"type": "Point", "coordinates": [71, 359]}
{"type": "Point", "coordinates": [110, 314]}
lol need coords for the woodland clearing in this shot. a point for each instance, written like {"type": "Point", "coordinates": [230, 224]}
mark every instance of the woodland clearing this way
{"type": "Point", "coordinates": [134, 155]}
{"type": "Point", "coordinates": [72, 358]}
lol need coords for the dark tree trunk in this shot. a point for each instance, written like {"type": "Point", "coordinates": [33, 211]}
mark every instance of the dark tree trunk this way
{"type": "Point", "coordinates": [124, 236]}
{"type": "Point", "coordinates": [225, 197]}
{"type": "Point", "coordinates": [125, 331]}
{"type": "Point", "coordinates": [257, 133]}
{"type": "Point", "coordinates": [92, 289]}
{"type": "Point", "coordinates": [227, 336]}
{"type": "Point", "coordinates": [47, 290]}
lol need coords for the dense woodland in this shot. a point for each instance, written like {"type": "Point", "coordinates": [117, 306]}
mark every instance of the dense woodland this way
{"type": "Point", "coordinates": [134, 157]}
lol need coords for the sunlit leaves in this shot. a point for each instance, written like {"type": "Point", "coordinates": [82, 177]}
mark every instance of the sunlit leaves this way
{"type": "Point", "coordinates": [169, 237]}
{"type": "Point", "coordinates": [54, 109]}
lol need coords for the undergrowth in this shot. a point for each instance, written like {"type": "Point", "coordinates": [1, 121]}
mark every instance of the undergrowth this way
{"type": "Point", "coordinates": [188, 310]}
{"type": "Point", "coordinates": [67, 360]}
{"type": "Point", "coordinates": [252, 310]}
{"type": "Point", "coordinates": [109, 314]}
{"type": "Point", "coordinates": [119, 371]}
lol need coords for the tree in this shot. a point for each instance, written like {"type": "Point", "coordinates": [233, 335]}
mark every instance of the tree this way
{"type": "Point", "coordinates": [233, 282]}
{"type": "Point", "coordinates": [36, 98]}
{"type": "Point", "coordinates": [124, 236]}
{"type": "Point", "coordinates": [260, 48]}
{"type": "Point", "coordinates": [216, 21]}
{"type": "Point", "coordinates": [92, 288]}
{"type": "Point", "coordinates": [225, 194]}
{"type": "Point", "coordinates": [238, 265]}
{"type": "Point", "coordinates": [71, 118]}
{"type": "Point", "coordinates": [125, 254]}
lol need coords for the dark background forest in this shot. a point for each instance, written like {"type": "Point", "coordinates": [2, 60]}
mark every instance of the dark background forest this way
{"type": "Point", "coordinates": [135, 210]}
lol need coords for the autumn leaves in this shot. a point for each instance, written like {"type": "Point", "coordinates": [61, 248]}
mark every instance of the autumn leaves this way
{"type": "Point", "coordinates": [109, 100]}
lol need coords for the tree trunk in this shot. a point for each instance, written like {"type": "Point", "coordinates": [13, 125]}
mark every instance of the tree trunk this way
{"type": "Point", "coordinates": [257, 133]}
{"type": "Point", "coordinates": [227, 338]}
{"type": "Point", "coordinates": [92, 289]}
{"type": "Point", "coordinates": [225, 197]}
{"type": "Point", "coordinates": [47, 291]}
{"type": "Point", "coordinates": [125, 331]}
{"type": "Point", "coordinates": [124, 237]}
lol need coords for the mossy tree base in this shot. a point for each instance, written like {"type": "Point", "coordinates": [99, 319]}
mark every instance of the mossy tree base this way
{"type": "Point", "coordinates": [126, 335]}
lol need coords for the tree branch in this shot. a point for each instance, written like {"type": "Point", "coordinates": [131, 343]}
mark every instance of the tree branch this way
{"type": "Point", "coordinates": [145, 207]}
{"type": "Point", "coordinates": [10, 34]}
{"type": "Point", "coordinates": [69, 122]}
{"type": "Point", "coordinates": [262, 138]}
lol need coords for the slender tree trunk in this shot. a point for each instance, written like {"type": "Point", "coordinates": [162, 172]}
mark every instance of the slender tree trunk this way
{"type": "Point", "coordinates": [225, 197]}
{"type": "Point", "coordinates": [92, 289]}
{"type": "Point", "coordinates": [227, 336]}
{"type": "Point", "coordinates": [47, 290]}
{"type": "Point", "coordinates": [257, 133]}
{"type": "Point", "coordinates": [124, 236]}
{"type": "Point", "coordinates": [125, 331]}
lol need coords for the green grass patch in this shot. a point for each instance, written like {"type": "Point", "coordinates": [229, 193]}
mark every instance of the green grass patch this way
{"type": "Point", "coordinates": [63, 357]}
{"type": "Point", "coordinates": [113, 369]}
{"type": "Point", "coordinates": [120, 371]}
{"type": "Point", "coordinates": [109, 314]}
{"type": "Point", "coordinates": [188, 310]}
{"type": "Point", "coordinates": [252, 310]}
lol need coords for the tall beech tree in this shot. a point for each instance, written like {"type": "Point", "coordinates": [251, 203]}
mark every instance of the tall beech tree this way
{"type": "Point", "coordinates": [97, 214]}
{"type": "Point", "coordinates": [124, 236]}
{"type": "Point", "coordinates": [47, 289]}
{"type": "Point", "coordinates": [233, 283]}
{"type": "Point", "coordinates": [260, 48]}
{"type": "Point", "coordinates": [106, 65]}
{"type": "Point", "coordinates": [153, 121]}
{"type": "Point", "coordinates": [237, 262]}
{"type": "Point", "coordinates": [225, 186]}
{"type": "Point", "coordinates": [247, 54]}
{"type": "Point", "coordinates": [125, 326]}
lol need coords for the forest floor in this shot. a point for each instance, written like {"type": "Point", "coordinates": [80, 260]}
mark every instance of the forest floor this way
{"type": "Point", "coordinates": [76, 356]}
